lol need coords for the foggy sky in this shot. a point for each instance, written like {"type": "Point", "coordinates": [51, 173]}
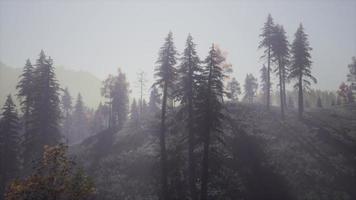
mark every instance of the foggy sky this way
{"type": "Point", "coordinates": [101, 36]}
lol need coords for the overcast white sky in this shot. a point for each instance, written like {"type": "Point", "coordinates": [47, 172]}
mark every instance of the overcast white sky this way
{"type": "Point", "coordinates": [100, 36]}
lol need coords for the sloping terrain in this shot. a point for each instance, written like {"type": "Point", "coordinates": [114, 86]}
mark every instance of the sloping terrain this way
{"type": "Point", "coordinates": [265, 157]}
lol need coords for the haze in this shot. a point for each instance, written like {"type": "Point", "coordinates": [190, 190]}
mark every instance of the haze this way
{"type": "Point", "coordinates": [100, 37]}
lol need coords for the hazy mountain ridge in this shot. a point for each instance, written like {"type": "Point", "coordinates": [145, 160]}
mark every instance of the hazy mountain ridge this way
{"type": "Point", "coordinates": [76, 81]}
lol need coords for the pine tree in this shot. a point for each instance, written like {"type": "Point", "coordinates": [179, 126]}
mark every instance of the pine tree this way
{"type": "Point", "coordinates": [165, 74]}
{"type": "Point", "coordinates": [66, 107]}
{"type": "Point", "coordinates": [264, 82]}
{"type": "Point", "coordinates": [80, 126]}
{"type": "Point", "coordinates": [45, 117]}
{"type": "Point", "coordinates": [189, 71]}
{"type": "Point", "coordinates": [280, 52]}
{"type": "Point", "coordinates": [9, 143]}
{"type": "Point", "coordinates": [267, 37]}
{"type": "Point", "coordinates": [233, 89]}
{"type": "Point", "coordinates": [116, 90]}
{"type": "Point", "coordinates": [25, 92]}
{"type": "Point", "coordinates": [210, 109]}
{"type": "Point", "coordinates": [300, 68]}
{"type": "Point", "coordinates": [250, 87]}
{"type": "Point", "coordinates": [66, 103]}
{"type": "Point", "coordinates": [135, 114]}
{"type": "Point", "coordinates": [154, 101]}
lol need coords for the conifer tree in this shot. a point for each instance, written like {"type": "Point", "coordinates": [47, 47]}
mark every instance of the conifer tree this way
{"type": "Point", "coordinates": [300, 67]}
{"type": "Point", "coordinates": [154, 101]}
{"type": "Point", "coordinates": [264, 82]}
{"type": "Point", "coordinates": [280, 53]}
{"type": "Point", "coordinates": [115, 88]}
{"type": "Point", "coordinates": [9, 143]}
{"type": "Point", "coordinates": [189, 72]}
{"type": "Point", "coordinates": [165, 74]}
{"type": "Point", "coordinates": [66, 103]}
{"type": "Point", "coordinates": [210, 109]}
{"type": "Point", "coordinates": [80, 126]}
{"type": "Point", "coordinates": [66, 107]}
{"type": "Point", "coordinates": [233, 89]}
{"type": "Point", "coordinates": [250, 87]}
{"type": "Point", "coordinates": [134, 113]}
{"type": "Point", "coordinates": [25, 92]}
{"type": "Point", "coordinates": [266, 43]}
{"type": "Point", "coordinates": [45, 117]}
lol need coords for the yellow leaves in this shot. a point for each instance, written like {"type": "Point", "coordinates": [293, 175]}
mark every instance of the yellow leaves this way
{"type": "Point", "coordinates": [53, 178]}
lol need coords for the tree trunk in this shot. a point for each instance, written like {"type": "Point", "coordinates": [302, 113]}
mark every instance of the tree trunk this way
{"type": "Point", "coordinates": [164, 182]}
{"type": "Point", "coordinates": [205, 164]}
{"type": "Point", "coordinates": [268, 79]}
{"type": "Point", "coordinates": [191, 141]}
{"type": "Point", "coordinates": [300, 98]}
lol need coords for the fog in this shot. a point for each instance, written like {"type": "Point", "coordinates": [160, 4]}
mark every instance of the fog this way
{"type": "Point", "coordinates": [177, 100]}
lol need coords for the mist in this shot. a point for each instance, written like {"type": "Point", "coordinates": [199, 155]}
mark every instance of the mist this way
{"type": "Point", "coordinates": [165, 100]}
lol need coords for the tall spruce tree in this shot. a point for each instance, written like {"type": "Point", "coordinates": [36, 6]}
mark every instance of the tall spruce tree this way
{"type": "Point", "coordinates": [25, 93]}
{"type": "Point", "coordinates": [165, 74]}
{"type": "Point", "coordinates": [250, 88]}
{"type": "Point", "coordinates": [189, 72]}
{"type": "Point", "coordinates": [280, 53]}
{"type": "Point", "coordinates": [9, 143]}
{"type": "Point", "coordinates": [45, 117]}
{"type": "Point", "coordinates": [233, 89]}
{"type": "Point", "coordinates": [210, 109]}
{"type": "Point", "coordinates": [300, 67]}
{"type": "Point", "coordinates": [154, 101]}
{"type": "Point", "coordinates": [266, 43]}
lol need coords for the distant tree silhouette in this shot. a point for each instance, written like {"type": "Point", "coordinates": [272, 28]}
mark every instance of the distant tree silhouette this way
{"type": "Point", "coordinates": [266, 43]}
{"type": "Point", "coordinates": [9, 143]}
{"type": "Point", "coordinates": [80, 126]}
{"type": "Point", "coordinates": [300, 68]}
{"type": "Point", "coordinates": [66, 103]}
{"type": "Point", "coordinates": [154, 101]}
{"type": "Point", "coordinates": [67, 108]}
{"type": "Point", "coordinates": [233, 89]}
{"type": "Point", "coordinates": [250, 88]}
{"type": "Point", "coordinates": [280, 53]}
{"type": "Point", "coordinates": [165, 74]}
{"type": "Point", "coordinates": [134, 114]}
{"type": "Point", "coordinates": [189, 73]}
{"type": "Point", "coordinates": [115, 88]}
{"type": "Point", "coordinates": [265, 89]}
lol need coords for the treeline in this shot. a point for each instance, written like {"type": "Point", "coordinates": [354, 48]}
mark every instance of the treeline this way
{"type": "Point", "coordinates": [25, 139]}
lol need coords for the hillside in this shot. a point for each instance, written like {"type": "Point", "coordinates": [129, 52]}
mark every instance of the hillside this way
{"type": "Point", "coordinates": [264, 157]}
{"type": "Point", "coordinates": [77, 81]}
